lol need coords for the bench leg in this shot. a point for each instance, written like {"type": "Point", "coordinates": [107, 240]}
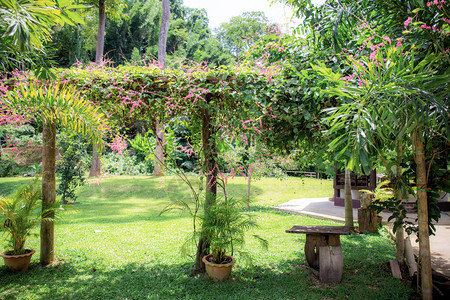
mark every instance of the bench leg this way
{"type": "Point", "coordinates": [312, 248]}
{"type": "Point", "coordinates": [331, 261]}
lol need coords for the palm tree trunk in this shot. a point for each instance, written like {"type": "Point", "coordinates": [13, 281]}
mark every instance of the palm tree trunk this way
{"type": "Point", "coordinates": [48, 192]}
{"type": "Point", "coordinates": [96, 166]}
{"type": "Point", "coordinates": [164, 30]}
{"type": "Point", "coordinates": [348, 199]}
{"type": "Point", "coordinates": [422, 214]}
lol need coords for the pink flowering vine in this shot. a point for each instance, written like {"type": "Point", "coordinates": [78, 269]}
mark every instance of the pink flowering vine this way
{"type": "Point", "coordinates": [119, 144]}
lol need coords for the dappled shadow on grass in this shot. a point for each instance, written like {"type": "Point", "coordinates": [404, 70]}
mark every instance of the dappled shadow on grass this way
{"type": "Point", "coordinates": [288, 279]}
{"type": "Point", "coordinates": [9, 185]}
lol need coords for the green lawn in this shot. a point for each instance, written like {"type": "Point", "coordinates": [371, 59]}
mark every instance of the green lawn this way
{"type": "Point", "coordinates": [116, 246]}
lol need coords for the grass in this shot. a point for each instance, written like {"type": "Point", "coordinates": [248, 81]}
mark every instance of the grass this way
{"type": "Point", "coordinates": [115, 245]}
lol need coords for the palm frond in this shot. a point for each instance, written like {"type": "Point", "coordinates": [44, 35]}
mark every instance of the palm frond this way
{"type": "Point", "coordinates": [61, 105]}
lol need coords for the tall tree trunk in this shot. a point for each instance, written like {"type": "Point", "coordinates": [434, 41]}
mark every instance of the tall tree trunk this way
{"type": "Point", "coordinates": [163, 33]}
{"type": "Point", "coordinates": [96, 166]}
{"type": "Point", "coordinates": [164, 30]}
{"type": "Point", "coordinates": [400, 233]}
{"type": "Point", "coordinates": [209, 151]}
{"type": "Point", "coordinates": [422, 214]}
{"type": "Point", "coordinates": [100, 32]}
{"type": "Point", "coordinates": [348, 199]}
{"type": "Point", "coordinates": [48, 192]}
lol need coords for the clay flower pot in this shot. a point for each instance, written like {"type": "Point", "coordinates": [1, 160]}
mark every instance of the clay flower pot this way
{"type": "Point", "coordinates": [17, 262]}
{"type": "Point", "coordinates": [218, 272]}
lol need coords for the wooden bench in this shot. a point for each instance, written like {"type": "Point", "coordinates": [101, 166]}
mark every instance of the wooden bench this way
{"type": "Point", "coordinates": [323, 249]}
{"type": "Point", "coordinates": [306, 174]}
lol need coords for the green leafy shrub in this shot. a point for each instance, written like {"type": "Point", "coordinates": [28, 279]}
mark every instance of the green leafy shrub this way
{"type": "Point", "coordinates": [122, 164]}
{"type": "Point", "coordinates": [24, 135]}
{"type": "Point", "coordinates": [72, 165]}
{"type": "Point", "coordinates": [143, 146]}
{"type": "Point", "coordinates": [8, 167]}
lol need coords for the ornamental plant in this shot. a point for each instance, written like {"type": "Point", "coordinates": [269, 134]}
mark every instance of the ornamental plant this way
{"type": "Point", "coordinates": [397, 92]}
{"type": "Point", "coordinates": [225, 226]}
{"type": "Point", "coordinates": [20, 214]}
{"type": "Point", "coordinates": [52, 104]}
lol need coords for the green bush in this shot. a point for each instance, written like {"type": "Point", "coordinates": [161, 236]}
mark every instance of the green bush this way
{"type": "Point", "coordinates": [113, 163]}
{"type": "Point", "coordinates": [9, 167]}
{"type": "Point", "coordinates": [24, 135]}
{"type": "Point", "coordinates": [72, 165]}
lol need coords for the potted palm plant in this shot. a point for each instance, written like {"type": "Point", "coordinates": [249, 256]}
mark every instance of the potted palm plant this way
{"type": "Point", "coordinates": [18, 215]}
{"type": "Point", "coordinates": [222, 224]}
{"type": "Point", "coordinates": [224, 228]}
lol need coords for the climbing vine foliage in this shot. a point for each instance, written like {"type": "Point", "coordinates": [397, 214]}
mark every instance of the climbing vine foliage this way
{"type": "Point", "coordinates": [231, 95]}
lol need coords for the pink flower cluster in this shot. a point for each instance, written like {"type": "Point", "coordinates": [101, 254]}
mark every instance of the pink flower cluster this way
{"type": "Point", "coordinates": [437, 3]}
{"type": "Point", "coordinates": [189, 149]}
{"type": "Point", "coordinates": [407, 22]}
{"type": "Point", "coordinates": [375, 49]}
{"type": "Point", "coordinates": [424, 26]}
{"type": "Point", "coordinates": [197, 94]}
{"type": "Point", "coordinates": [119, 144]}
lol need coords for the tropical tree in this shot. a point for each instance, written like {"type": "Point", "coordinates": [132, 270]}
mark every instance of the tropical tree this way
{"type": "Point", "coordinates": [138, 29]}
{"type": "Point", "coordinates": [54, 105]}
{"type": "Point", "coordinates": [114, 8]}
{"type": "Point", "coordinates": [242, 31]}
{"type": "Point", "coordinates": [391, 91]}
{"type": "Point", "coordinates": [159, 128]}
{"type": "Point", "coordinates": [26, 25]}
{"type": "Point", "coordinates": [419, 26]}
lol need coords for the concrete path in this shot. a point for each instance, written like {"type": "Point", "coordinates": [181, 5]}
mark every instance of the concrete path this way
{"type": "Point", "coordinates": [324, 209]}
{"type": "Point", "coordinates": [440, 249]}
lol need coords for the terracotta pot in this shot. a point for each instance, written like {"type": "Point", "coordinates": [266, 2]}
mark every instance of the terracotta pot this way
{"type": "Point", "coordinates": [17, 262]}
{"type": "Point", "coordinates": [218, 272]}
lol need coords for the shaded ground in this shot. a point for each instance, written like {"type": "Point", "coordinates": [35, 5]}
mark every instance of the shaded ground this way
{"type": "Point", "coordinates": [325, 209]}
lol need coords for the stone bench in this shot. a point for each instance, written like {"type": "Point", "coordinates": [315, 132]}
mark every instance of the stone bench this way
{"type": "Point", "coordinates": [323, 249]}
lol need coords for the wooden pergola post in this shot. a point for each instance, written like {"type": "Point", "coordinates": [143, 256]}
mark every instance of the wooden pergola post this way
{"type": "Point", "coordinates": [209, 151]}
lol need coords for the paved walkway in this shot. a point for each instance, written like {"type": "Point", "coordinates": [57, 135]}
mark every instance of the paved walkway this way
{"type": "Point", "coordinates": [325, 209]}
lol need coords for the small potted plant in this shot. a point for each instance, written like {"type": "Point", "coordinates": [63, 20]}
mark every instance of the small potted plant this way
{"type": "Point", "coordinates": [18, 216]}
{"type": "Point", "coordinates": [224, 228]}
